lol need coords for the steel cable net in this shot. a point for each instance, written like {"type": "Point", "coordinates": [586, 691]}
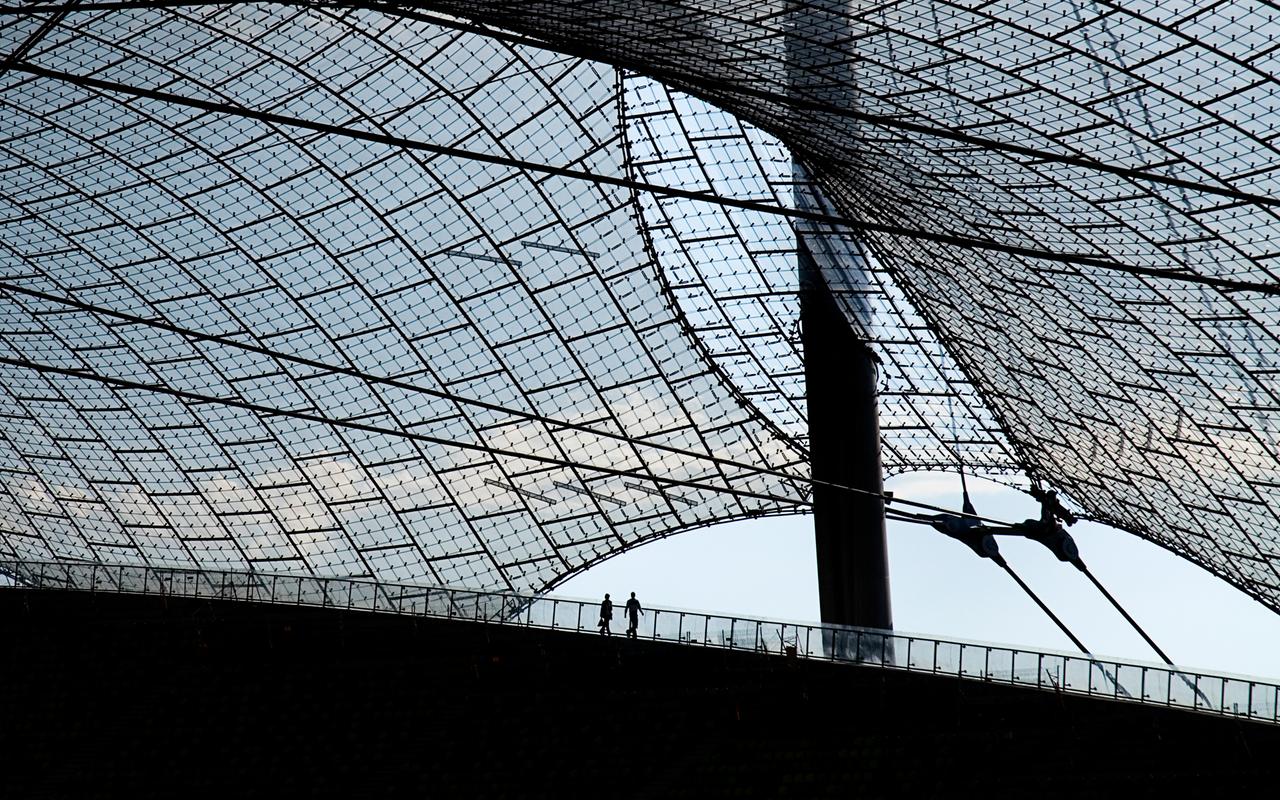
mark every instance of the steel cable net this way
{"type": "Point", "coordinates": [971, 142]}
{"type": "Point", "coordinates": [532, 294]}
{"type": "Point", "coordinates": [997, 284]}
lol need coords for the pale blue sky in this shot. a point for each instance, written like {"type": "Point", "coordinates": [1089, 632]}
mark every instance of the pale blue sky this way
{"type": "Point", "coordinates": [765, 568]}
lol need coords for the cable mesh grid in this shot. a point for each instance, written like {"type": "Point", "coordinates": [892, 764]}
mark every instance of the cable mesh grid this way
{"type": "Point", "coordinates": [1005, 172]}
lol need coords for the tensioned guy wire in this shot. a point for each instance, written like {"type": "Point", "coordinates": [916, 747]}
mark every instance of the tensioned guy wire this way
{"type": "Point", "coordinates": [1043, 607]}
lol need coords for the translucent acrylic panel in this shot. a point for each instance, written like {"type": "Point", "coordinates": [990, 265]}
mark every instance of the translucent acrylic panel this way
{"type": "Point", "coordinates": [540, 613]}
{"type": "Point", "coordinates": [1129, 680]}
{"type": "Point", "coordinates": [312, 592]}
{"type": "Point", "coordinates": [242, 587]}
{"type": "Point", "coordinates": [661, 625]}
{"type": "Point", "coordinates": [1000, 663]}
{"type": "Point", "coordinates": [1077, 674]}
{"type": "Point", "coordinates": [921, 654]}
{"type": "Point", "coordinates": [875, 648]}
{"type": "Point", "coordinates": [411, 600]}
{"type": "Point", "coordinates": [1053, 671]}
{"type": "Point", "coordinates": [390, 598]}
{"type": "Point", "coordinates": [80, 576]}
{"type": "Point", "coordinates": [1210, 692]}
{"type": "Point", "coordinates": [103, 579]}
{"type": "Point", "coordinates": [439, 603]}
{"type": "Point", "coordinates": [779, 638]}
{"type": "Point", "coordinates": [1102, 678]}
{"type": "Point", "coordinates": [809, 642]}
{"type": "Point", "coordinates": [288, 589]}
{"type": "Point", "coordinates": [569, 614]}
{"type": "Point", "coordinates": [139, 579]}
{"type": "Point", "coordinates": [857, 645]}
{"type": "Point", "coordinates": [191, 584]}
{"type": "Point", "coordinates": [1264, 701]}
{"type": "Point", "coordinates": [482, 606]}
{"type": "Point", "coordinates": [466, 605]}
{"type": "Point", "coordinates": [690, 628]}
{"type": "Point", "coordinates": [107, 579]}
{"type": "Point", "coordinates": [1027, 668]}
{"type": "Point", "coordinates": [947, 657]}
{"type": "Point", "coordinates": [718, 631]}
{"type": "Point", "coordinates": [362, 596]}
{"type": "Point", "coordinates": [1235, 696]}
{"type": "Point", "coordinates": [973, 660]}
{"type": "Point", "coordinates": [1156, 684]}
{"type": "Point", "coordinates": [1183, 689]}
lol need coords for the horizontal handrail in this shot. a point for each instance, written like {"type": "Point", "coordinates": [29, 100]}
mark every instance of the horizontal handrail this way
{"type": "Point", "coordinates": [1149, 684]}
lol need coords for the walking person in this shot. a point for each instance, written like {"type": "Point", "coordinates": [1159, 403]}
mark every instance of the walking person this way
{"type": "Point", "coordinates": [633, 616]}
{"type": "Point", "coordinates": [606, 615]}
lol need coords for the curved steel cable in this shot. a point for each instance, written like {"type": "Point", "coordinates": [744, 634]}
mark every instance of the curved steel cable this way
{"type": "Point", "coordinates": [1137, 393]}
{"type": "Point", "coordinates": [227, 341]}
{"type": "Point", "coordinates": [259, 408]}
{"type": "Point", "coordinates": [938, 237]}
{"type": "Point", "coordinates": [693, 82]}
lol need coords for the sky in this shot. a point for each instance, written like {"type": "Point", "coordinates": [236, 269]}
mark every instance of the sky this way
{"type": "Point", "coordinates": [766, 569]}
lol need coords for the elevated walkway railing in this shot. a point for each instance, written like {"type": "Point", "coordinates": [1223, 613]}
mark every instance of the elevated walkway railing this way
{"type": "Point", "coordinates": [1151, 684]}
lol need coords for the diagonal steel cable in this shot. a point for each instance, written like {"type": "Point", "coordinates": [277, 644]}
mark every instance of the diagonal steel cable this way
{"type": "Point", "coordinates": [227, 341]}
{"type": "Point", "coordinates": [1080, 259]}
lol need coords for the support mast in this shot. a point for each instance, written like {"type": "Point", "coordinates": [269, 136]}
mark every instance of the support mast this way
{"type": "Point", "coordinates": [844, 448]}
{"type": "Point", "coordinates": [840, 368]}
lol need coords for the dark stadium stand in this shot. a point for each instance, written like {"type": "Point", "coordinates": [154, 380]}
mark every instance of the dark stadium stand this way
{"type": "Point", "coordinates": [116, 695]}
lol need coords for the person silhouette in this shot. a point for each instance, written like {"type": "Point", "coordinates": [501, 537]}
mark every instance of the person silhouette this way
{"type": "Point", "coordinates": [633, 615]}
{"type": "Point", "coordinates": [606, 615]}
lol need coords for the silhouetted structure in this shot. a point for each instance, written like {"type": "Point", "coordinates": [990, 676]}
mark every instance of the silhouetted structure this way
{"type": "Point", "coordinates": [139, 696]}
{"type": "Point", "coordinates": [478, 294]}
